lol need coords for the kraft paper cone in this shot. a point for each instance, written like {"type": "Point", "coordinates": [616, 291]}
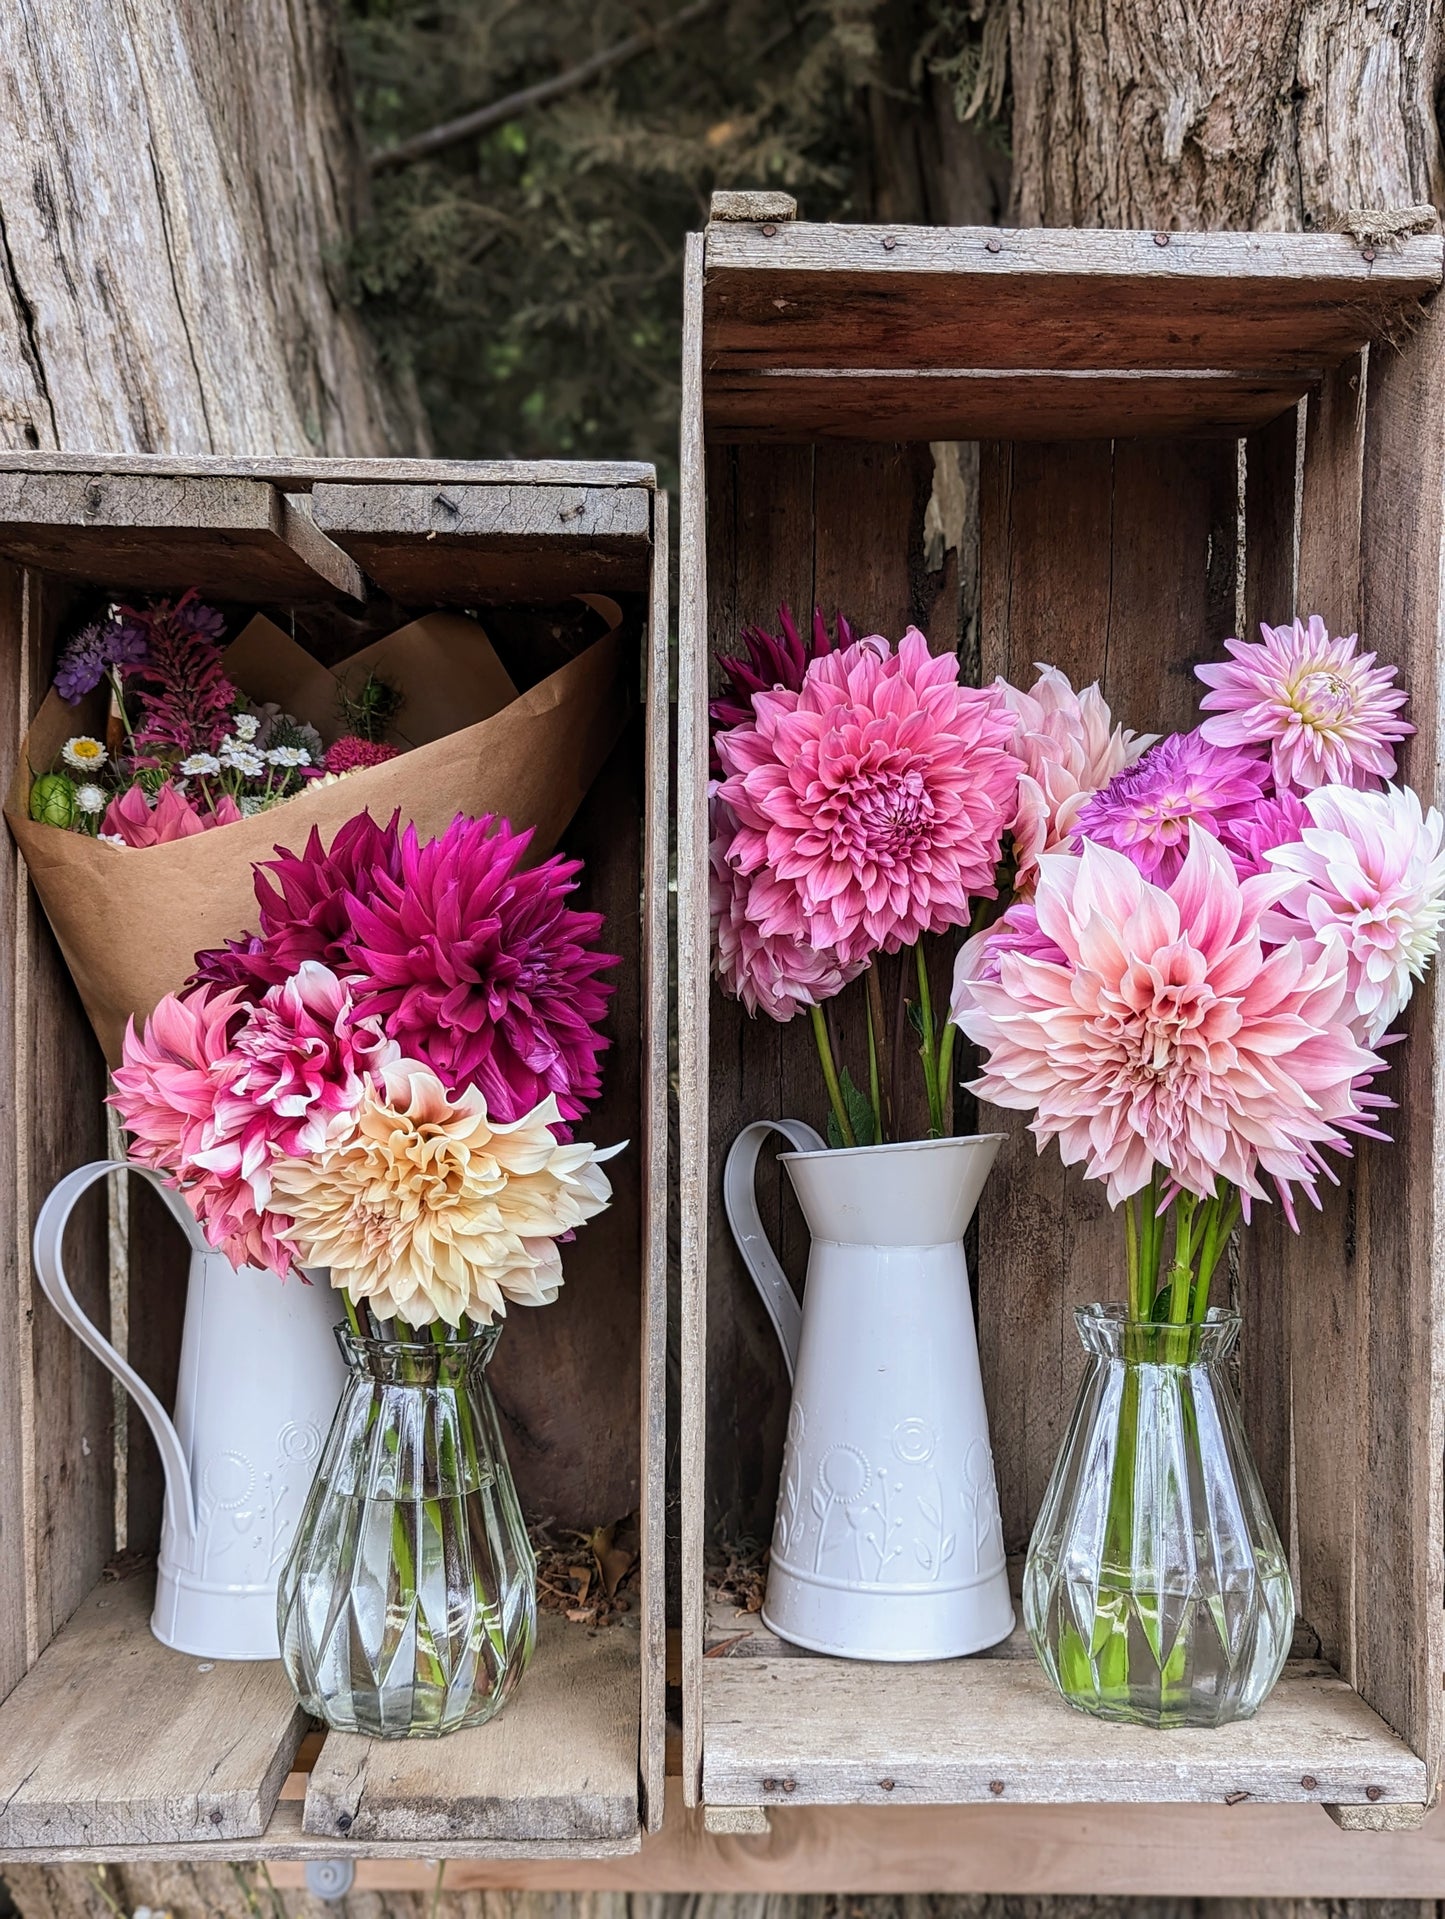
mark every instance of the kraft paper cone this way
{"type": "Point", "coordinates": [130, 920]}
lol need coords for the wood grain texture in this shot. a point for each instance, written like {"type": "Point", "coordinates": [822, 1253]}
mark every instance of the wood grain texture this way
{"type": "Point", "coordinates": [819, 1732]}
{"type": "Point", "coordinates": [657, 813]}
{"type": "Point", "coordinates": [728, 204]}
{"type": "Point", "coordinates": [14, 1207]}
{"type": "Point", "coordinates": [692, 1008]}
{"type": "Point", "coordinates": [158, 1272]}
{"type": "Point", "coordinates": [299, 473]}
{"type": "Point", "coordinates": [559, 1764]}
{"type": "Point", "coordinates": [234, 538]}
{"type": "Point", "coordinates": [112, 1739]}
{"type": "Point", "coordinates": [452, 542]}
{"type": "Point", "coordinates": [860, 297]}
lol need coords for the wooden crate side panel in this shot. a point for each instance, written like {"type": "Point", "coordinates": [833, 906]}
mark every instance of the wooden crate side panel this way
{"type": "Point", "coordinates": [157, 1272]}
{"type": "Point", "coordinates": [1400, 1569]}
{"type": "Point", "coordinates": [14, 1255]}
{"type": "Point", "coordinates": [1114, 562]}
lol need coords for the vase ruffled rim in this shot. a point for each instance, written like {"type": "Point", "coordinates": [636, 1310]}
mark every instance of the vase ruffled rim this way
{"type": "Point", "coordinates": [1108, 1332]}
{"type": "Point", "coordinates": [421, 1361]}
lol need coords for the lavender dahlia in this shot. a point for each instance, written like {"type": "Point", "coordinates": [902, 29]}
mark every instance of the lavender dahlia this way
{"type": "Point", "coordinates": [1146, 811]}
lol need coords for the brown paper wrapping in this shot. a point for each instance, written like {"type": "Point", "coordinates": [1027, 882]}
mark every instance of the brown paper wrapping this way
{"type": "Point", "coordinates": [130, 920]}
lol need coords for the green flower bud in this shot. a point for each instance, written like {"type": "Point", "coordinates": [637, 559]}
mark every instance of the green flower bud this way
{"type": "Point", "coordinates": [52, 800]}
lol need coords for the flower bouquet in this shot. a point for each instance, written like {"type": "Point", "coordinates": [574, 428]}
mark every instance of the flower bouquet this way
{"type": "Point", "coordinates": [1190, 990]}
{"type": "Point", "coordinates": [376, 1088]}
{"type": "Point", "coordinates": [156, 732]}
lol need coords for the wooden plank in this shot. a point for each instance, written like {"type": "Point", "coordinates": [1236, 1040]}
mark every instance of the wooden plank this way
{"type": "Point", "coordinates": [730, 205]}
{"type": "Point", "coordinates": [558, 1763]}
{"type": "Point", "coordinates": [456, 542]}
{"type": "Point", "coordinates": [298, 474]}
{"type": "Point", "coordinates": [158, 1269]}
{"type": "Point", "coordinates": [112, 1739]}
{"type": "Point", "coordinates": [840, 296]}
{"type": "Point", "coordinates": [692, 1010]}
{"type": "Point", "coordinates": [655, 940]}
{"type": "Point", "coordinates": [14, 1206]}
{"type": "Point", "coordinates": [837, 1732]}
{"type": "Point", "coordinates": [234, 538]}
{"type": "Point", "coordinates": [1400, 1560]}
{"type": "Point", "coordinates": [988, 403]}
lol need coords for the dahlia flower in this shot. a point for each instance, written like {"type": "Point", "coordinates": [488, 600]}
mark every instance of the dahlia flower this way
{"type": "Point", "coordinates": [1017, 931]}
{"type": "Point", "coordinates": [1170, 1036]}
{"type": "Point", "coordinates": [305, 906]}
{"type": "Point", "coordinates": [1327, 714]}
{"type": "Point", "coordinates": [772, 660]}
{"type": "Point", "coordinates": [1146, 811]}
{"type": "Point", "coordinates": [431, 1210]}
{"type": "Point", "coordinates": [876, 798]}
{"type": "Point", "coordinates": [1367, 879]}
{"type": "Point", "coordinates": [475, 964]}
{"type": "Point", "coordinates": [780, 973]}
{"type": "Point", "coordinates": [1250, 837]}
{"type": "Point", "coordinates": [1069, 749]}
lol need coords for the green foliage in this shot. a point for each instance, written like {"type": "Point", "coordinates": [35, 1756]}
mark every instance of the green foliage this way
{"type": "Point", "coordinates": [860, 1115]}
{"type": "Point", "coordinates": [530, 279]}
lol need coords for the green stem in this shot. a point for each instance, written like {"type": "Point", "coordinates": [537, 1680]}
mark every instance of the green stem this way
{"type": "Point", "coordinates": [350, 1304]}
{"type": "Point", "coordinates": [1131, 1253]}
{"type": "Point", "coordinates": [875, 1083]}
{"type": "Point", "coordinates": [1181, 1275]}
{"type": "Point", "coordinates": [830, 1076]}
{"type": "Point", "coordinates": [926, 1049]}
{"type": "Point", "coordinates": [945, 1065]}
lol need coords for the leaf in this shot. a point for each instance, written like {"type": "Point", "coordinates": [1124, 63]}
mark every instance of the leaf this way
{"type": "Point", "coordinates": [915, 1018]}
{"type": "Point", "coordinates": [860, 1112]}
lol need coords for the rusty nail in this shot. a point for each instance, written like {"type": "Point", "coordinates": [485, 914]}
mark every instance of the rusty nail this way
{"type": "Point", "coordinates": [886, 1784]}
{"type": "Point", "coordinates": [1161, 239]}
{"type": "Point", "coordinates": [1369, 253]}
{"type": "Point", "coordinates": [993, 244]}
{"type": "Point", "coordinates": [770, 1785]}
{"type": "Point", "coordinates": [995, 1786]}
{"type": "Point", "coordinates": [1372, 1793]}
{"type": "Point", "coordinates": [769, 230]}
{"type": "Point", "coordinates": [1309, 1782]}
{"type": "Point", "coordinates": [1235, 1798]}
{"type": "Point", "coordinates": [889, 243]}
{"type": "Point", "coordinates": [343, 1822]}
{"type": "Point", "coordinates": [790, 1785]}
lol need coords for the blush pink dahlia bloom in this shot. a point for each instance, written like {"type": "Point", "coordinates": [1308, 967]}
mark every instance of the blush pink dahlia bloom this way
{"type": "Point", "coordinates": [1069, 748]}
{"type": "Point", "coordinates": [1327, 713]}
{"type": "Point", "coordinates": [875, 798]}
{"type": "Point", "coordinates": [1367, 877]}
{"type": "Point", "coordinates": [475, 965]}
{"type": "Point", "coordinates": [778, 973]}
{"type": "Point", "coordinates": [1146, 811]}
{"type": "Point", "coordinates": [1169, 1035]}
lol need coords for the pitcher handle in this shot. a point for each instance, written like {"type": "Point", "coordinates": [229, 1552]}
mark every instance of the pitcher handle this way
{"type": "Point", "coordinates": [50, 1227]}
{"type": "Point", "coordinates": [740, 1202]}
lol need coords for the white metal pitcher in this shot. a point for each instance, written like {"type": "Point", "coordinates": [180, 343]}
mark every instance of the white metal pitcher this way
{"type": "Point", "coordinates": [260, 1375]}
{"type": "Point", "coordinates": [887, 1542]}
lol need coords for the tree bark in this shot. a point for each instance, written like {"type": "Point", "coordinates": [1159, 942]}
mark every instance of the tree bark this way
{"type": "Point", "coordinates": [176, 191]}
{"type": "Point", "coordinates": [1226, 114]}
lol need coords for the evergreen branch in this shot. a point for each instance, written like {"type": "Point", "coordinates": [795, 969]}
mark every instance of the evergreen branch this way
{"type": "Point", "coordinates": [481, 119]}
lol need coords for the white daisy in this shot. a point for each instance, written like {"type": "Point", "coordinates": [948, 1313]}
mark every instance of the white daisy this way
{"type": "Point", "coordinates": [84, 754]}
{"type": "Point", "coordinates": [242, 759]}
{"type": "Point", "coordinates": [111, 839]}
{"type": "Point", "coordinates": [198, 765]}
{"type": "Point", "coordinates": [246, 725]}
{"type": "Point", "coordinates": [91, 799]}
{"type": "Point", "coordinates": [288, 756]}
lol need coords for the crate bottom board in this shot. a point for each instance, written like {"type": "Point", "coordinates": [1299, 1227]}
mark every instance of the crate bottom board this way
{"type": "Point", "coordinates": [801, 1730]}
{"type": "Point", "coordinates": [114, 1746]}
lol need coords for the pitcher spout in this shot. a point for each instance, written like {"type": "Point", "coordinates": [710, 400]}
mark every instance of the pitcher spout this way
{"type": "Point", "coordinates": [917, 1193]}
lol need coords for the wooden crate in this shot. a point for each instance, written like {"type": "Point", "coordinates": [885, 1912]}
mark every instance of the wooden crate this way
{"type": "Point", "coordinates": [108, 1742]}
{"type": "Point", "coordinates": [1176, 435]}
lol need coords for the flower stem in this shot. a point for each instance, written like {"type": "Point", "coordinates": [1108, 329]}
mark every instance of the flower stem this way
{"type": "Point", "coordinates": [1182, 1273]}
{"type": "Point", "coordinates": [830, 1076]}
{"type": "Point", "coordinates": [875, 1084]}
{"type": "Point", "coordinates": [926, 1049]}
{"type": "Point", "coordinates": [350, 1304]}
{"type": "Point", "coordinates": [1131, 1253]}
{"type": "Point", "coordinates": [878, 1035]}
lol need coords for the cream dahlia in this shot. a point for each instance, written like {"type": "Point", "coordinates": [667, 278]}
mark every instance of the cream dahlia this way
{"type": "Point", "coordinates": [876, 798]}
{"type": "Point", "coordinates": [1367, 876]}
{"type": "Point", "coordinates": [426, 1208]}
{"type": "Point", "coordinates": [1328, 714]}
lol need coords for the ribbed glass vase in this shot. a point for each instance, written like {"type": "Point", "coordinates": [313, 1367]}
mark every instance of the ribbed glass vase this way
{"type": "Point", "coordinates": [408, 1606]}
{"type": "Point", "coordinates": [1156, 1589]}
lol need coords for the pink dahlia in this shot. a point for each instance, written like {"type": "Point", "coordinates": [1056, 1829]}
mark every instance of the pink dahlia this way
{"type": "Point", "coordinates": [1250, 837]}
{"type": "Point", "coordinates": [1169, 1035]}
{"type": "Point", "coordinates": [1327, 713]}
{"type": "Point", "coordinates": [771, 660]}
{"type": "Point", "coordinates": [876, 798]}
{"type": "Point", "coordinates": [475, 965]}
{"type": "Point", "coordinates": [779, 972]}
{"type": "Point", "coordinates": [1367, 877]}
{"type": "Point", "coordinates": [1069, 749]}
{"type": "Point", "coordinates": [1146, 811]}
{"type": "Point", "coordinates": [305, 906]}
{"type": "Point", "coordinates": [1018, 931]}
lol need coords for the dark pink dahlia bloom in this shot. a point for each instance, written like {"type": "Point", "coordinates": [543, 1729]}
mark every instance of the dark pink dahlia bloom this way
{"type": "Point", "coordinates": [770, 660]}
{"type": "Point", "coordinates": [477, 966]}
{"type": "Point", "coordinates": [306, 906]}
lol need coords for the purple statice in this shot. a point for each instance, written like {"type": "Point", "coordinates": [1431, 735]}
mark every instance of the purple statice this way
{"type": "Point", "coordinates": [95, 651]}
{"type": "Point", "coordinates": [1146, 811]}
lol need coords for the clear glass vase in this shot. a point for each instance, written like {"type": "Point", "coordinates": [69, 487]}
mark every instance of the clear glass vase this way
{"type": "Point", "coordinates": [408, 1606]}
{"type": "Point", "coordinates": [1156, 1589]}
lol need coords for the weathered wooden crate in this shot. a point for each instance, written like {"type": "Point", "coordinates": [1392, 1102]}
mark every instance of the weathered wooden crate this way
{"type": "Point", "coordinates": [1176, 435]}
{"type": "Point", "coordinates": [108, 1742]}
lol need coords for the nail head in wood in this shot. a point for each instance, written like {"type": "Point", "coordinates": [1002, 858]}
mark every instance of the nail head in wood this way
{"type": "Point", "coordinates": [995, 1786]}
{"type": "Point", "coordinates": [730, 205]}
{"type": "Point", "coordinates": [886, 1784]}
{"type": "Point", "coordinates": [1309, 1782]}
{"type": "Point", "coordinates": [1236, 1798]}
{"type": "Point", "coordinates": [1374, 1793]}
{"type": "Point", "coordinates": [889, 242]}
{"type": "Point", "coordinates": [1161, 239]}
{"type": "Point", "coordinates": [993, 244]}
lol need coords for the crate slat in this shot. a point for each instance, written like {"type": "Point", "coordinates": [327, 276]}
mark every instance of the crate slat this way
{"type": "Point", "coordinates": [295, 473]}
{"type": "Point", "coordinates": [112, 1739]}
{"type": "Point", "coordinates": [827, 1732]}
{"type": "Point", "coordinates": [232, 538]}
{"type": "Point", "coordinates": [461, 543]}
{"type": "Point", "coordinates": [559, 1763]}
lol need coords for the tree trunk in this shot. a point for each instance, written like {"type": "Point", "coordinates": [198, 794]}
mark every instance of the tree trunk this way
{"type": "Point", "coordinates": [175, 194]}
{"type": "Point", "coordinates": [1232, 114]}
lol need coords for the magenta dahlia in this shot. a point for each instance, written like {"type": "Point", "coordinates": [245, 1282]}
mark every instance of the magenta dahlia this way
{"type": "Point", "coordinates": [476, 966]}
{"type": "Point", "coordinates": [305, 906]}
{"type": "Point", "coordinates": [876, 798]}
{"type": "Point", "coordinates": [1146, 811]}
{"type": "Point", "coordinates": [772, 660]}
